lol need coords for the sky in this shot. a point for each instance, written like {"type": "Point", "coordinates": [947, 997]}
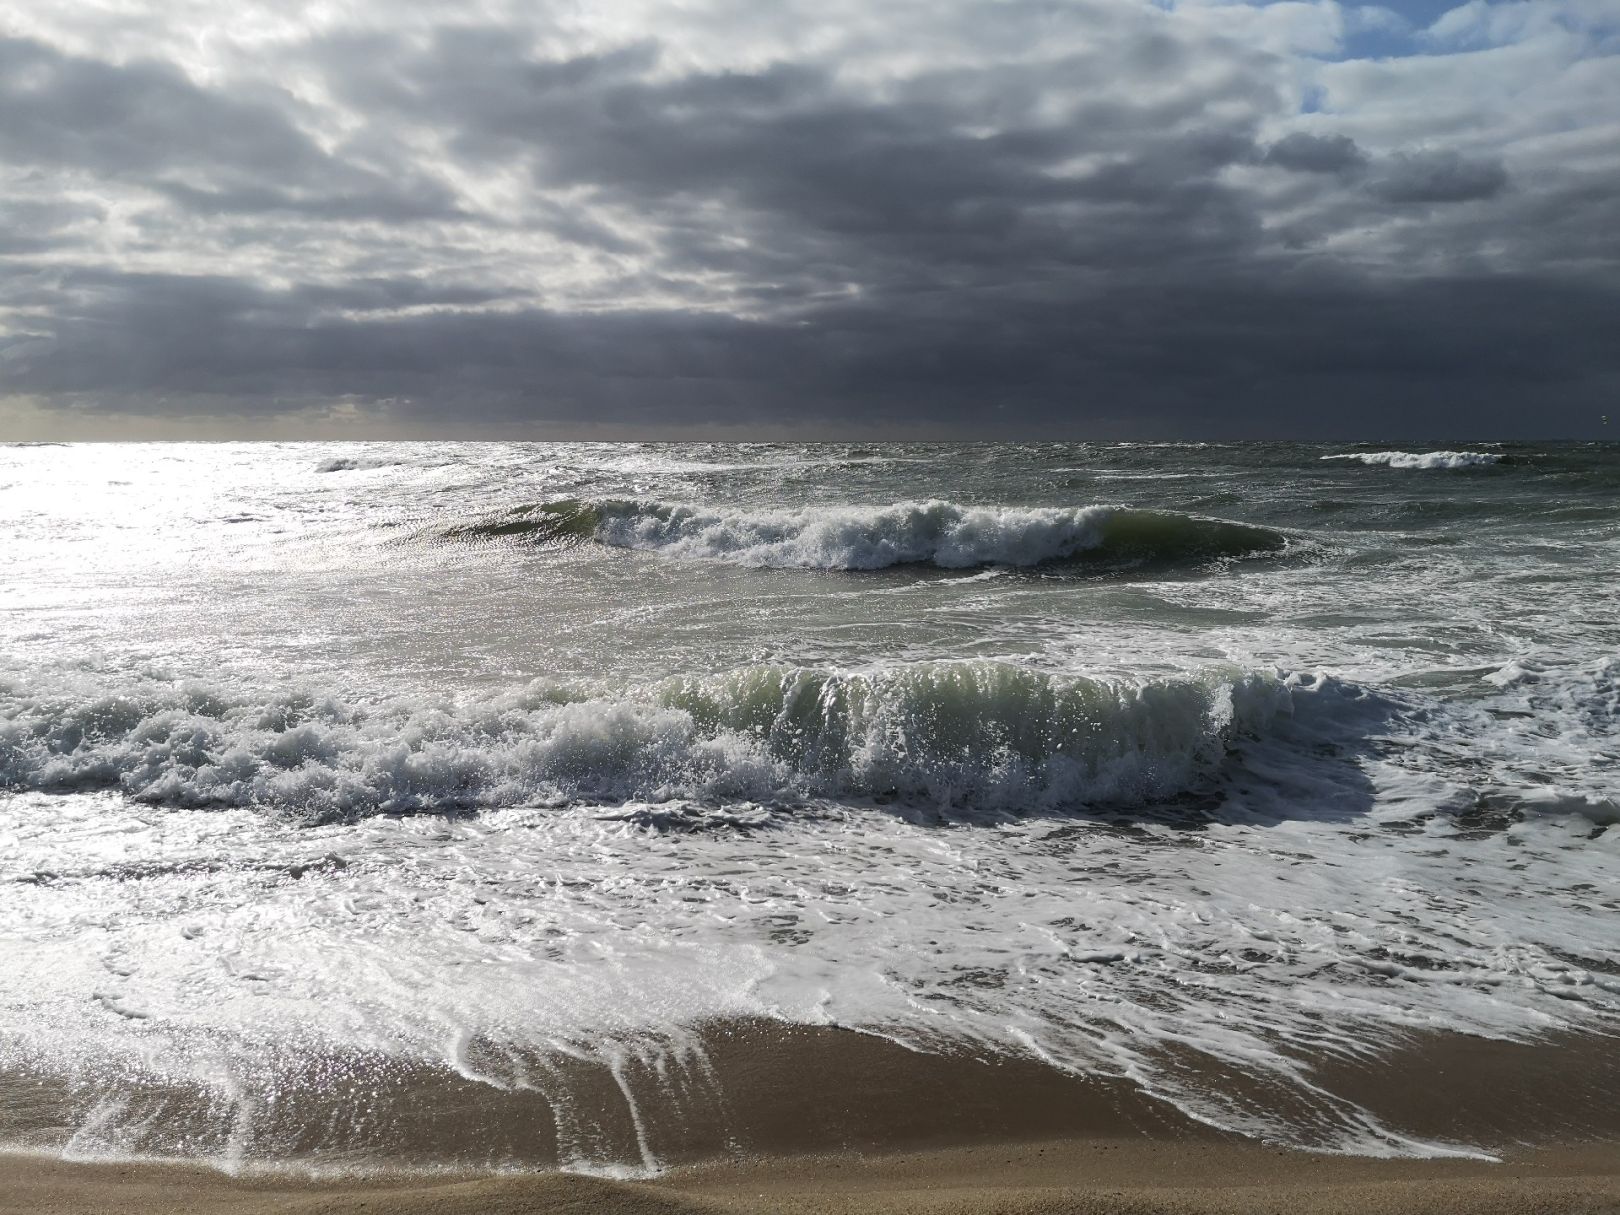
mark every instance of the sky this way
{"type": "Point", "coordinates": [734, 219]}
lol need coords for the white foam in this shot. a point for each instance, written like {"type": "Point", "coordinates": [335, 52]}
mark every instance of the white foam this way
{"type": "Point", "coordinates": [1420, 459]}
{"type": "Point", "coordinates": [1551, 735]}
{"type": "Point", "coordinates": [1549, 799]}
{"type": "Point", "coordinates": [984, 735]}
{"type": "Point", "coordinates": [933, 532]}
{"type": "Point", "coordinates": [1094, 945]}
{"type": "Point", "coordinates": [861, 538]}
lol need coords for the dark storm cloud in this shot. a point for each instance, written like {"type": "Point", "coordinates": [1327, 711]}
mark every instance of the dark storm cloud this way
{"type": "Point", "coordinates": [1098, 226]}
{"type": "Point", "coordinates": [1347, 355]}
{"type": "Point", "coordinates": [1439, 178]}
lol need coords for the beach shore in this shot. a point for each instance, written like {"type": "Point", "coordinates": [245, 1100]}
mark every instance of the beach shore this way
{"type": "Point", "coordinates": [1094, 1176]}
{"type": "Point", "coordinates": [823, 1120]}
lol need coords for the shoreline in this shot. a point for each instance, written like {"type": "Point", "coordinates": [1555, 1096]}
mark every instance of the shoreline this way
{"type": "Point", "coordinates": [766, 1088]}
{"type": "Point", "coordinates": [823, 1120]}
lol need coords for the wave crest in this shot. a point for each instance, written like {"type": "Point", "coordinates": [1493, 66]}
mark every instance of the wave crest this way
{"type": "Point", "coordinates": [977, 734]}
{"type": "Point", "coordinates": [1421, 459]}
{"type": "Point", "coordinates": [352, 463]}
{"type": "Point", "coordinates": [934, 532]}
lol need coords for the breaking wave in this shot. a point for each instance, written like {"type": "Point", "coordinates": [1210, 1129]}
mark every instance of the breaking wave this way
{"type": "Point", "coordinates": [352, 463]}
{"type": "Point", "coordinates": [980, 734]}
{"type": "Point", "coordinates": [1423, 459]}
{"type": "Point", "coordinates": [868, 538]}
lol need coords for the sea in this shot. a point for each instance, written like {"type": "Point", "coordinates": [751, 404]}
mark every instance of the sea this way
{"type": "Point", "coordinates": [323, 764]}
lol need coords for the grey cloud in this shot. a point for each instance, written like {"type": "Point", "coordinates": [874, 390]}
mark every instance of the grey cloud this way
{"type": "Point", "coordinates": [424, 201]}
{"type": "Point", "coordinates": [144, 121]}
{"type": "Point", "coordinates": [1438, 177]}
{"type": "Point", "coordinates": [35, 225]}
{"type": "Point", "coordinates": [828, 187]}
{"type": "Point", "coordinates": [1077, 242]}
{"type": "Point", "coordinates": [61, 109]}
{"type": "Point", "coordinates": [1306, 153]}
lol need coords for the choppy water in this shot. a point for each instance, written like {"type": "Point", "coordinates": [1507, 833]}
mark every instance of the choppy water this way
{"type": "Point", "coordinates": [461, 754]}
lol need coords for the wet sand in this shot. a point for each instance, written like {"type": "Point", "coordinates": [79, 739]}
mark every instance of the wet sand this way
{"type": "Point", "coordinates": [1093, 1176]}
{"type": "Point", "coordinates": [824, 1120]}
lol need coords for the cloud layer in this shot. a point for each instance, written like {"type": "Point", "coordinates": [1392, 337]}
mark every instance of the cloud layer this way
{"type": "Point", "coordinates": [1096, 217]}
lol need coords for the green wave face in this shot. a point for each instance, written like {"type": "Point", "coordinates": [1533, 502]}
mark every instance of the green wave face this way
{"type": "Point", "coordinates": [897, 724]}
{"type": "Point", "coordinates": [1148, 535]}
{"type": "Point", "coordinates": [565, 522]}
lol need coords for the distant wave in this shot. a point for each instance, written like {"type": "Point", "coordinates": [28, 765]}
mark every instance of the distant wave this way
{"type": "Point", "coordinates": [936, 533]}
{"type": "Point", "coordinates": [351, 463]}
{"type": "Point", "coordinates": [1424, 459]}
{"type": "Point", "coordinates": [971, 734]}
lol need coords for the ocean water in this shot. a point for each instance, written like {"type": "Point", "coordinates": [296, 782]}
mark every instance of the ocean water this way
{"type": "Point", "coordinates": [472, 757]}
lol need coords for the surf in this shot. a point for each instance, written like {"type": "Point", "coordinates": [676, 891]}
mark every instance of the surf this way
{"type": "Point", "coordinates": [973, 735]}
{"type": "Point", "coordinates": [1421, 459]}
{"type": "Point", "coordinates": [934, 532]}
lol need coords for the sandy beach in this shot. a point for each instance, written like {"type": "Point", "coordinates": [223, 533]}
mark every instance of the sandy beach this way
{"type": "Point", "coordinates": [1079, 1175]}
{"type": "Point", "coordinates": [833, 1121]}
